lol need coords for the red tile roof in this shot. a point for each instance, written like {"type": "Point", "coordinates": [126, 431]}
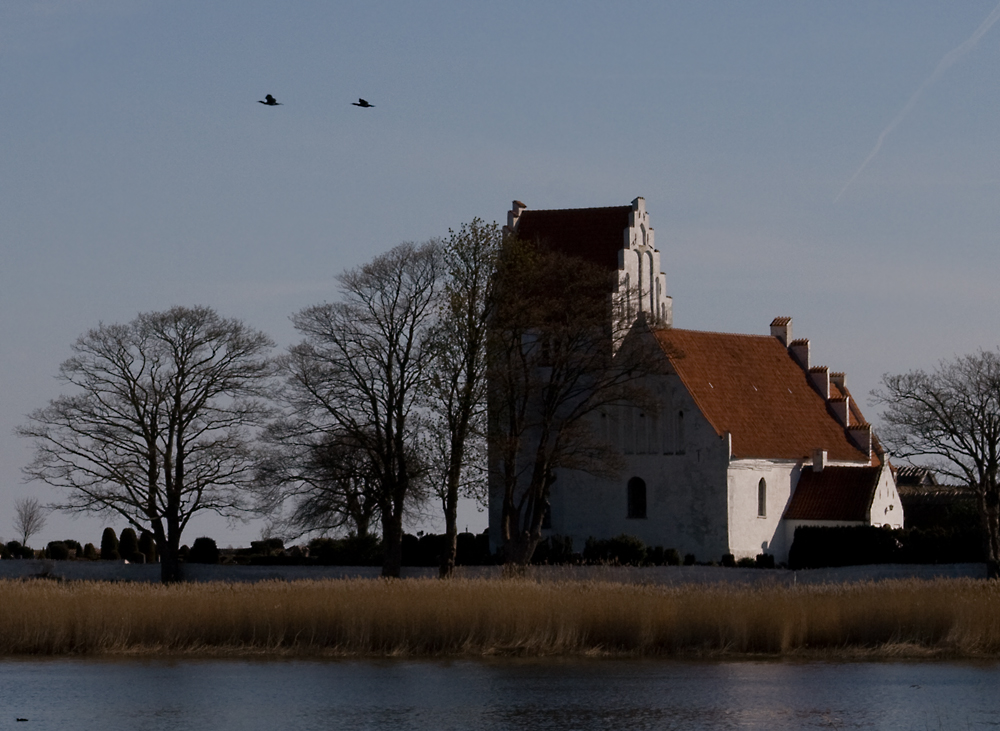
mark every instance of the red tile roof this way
{"type": "Point", "coordinates": [751, 387]}
{"type": "Point", "coordinates": [594, 234]}
{"type": "Point", "coordinates": [835, 493]}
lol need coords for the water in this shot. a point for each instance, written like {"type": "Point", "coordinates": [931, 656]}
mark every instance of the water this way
{"type": "Point", "coordinates": [156, 695]}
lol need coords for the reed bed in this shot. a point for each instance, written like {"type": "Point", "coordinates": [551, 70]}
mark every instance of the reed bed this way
{"type": "Point", "coordinates": [948, 617]}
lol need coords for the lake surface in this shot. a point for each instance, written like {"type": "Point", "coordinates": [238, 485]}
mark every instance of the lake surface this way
{"type": "Point", "coordinates": [155, 695]}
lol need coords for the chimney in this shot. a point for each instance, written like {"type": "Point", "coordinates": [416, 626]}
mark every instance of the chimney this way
{"type": "Point", "coordinates": [819, 376]}
{"type": "Point", "coordinates": [781, 328]}
{"type": "Point", "coordinates": [819, 460]}
{"type": "Point", "coordinates": [861, 435]}
{"type": "Point", "coordinates": [516, 209]}
{"type": "Point", "coordinates": [799, 350]}
{"type": "Point", "coordinates": [839, 380]}
{"type": "Point", "coordinates": [841, 406]}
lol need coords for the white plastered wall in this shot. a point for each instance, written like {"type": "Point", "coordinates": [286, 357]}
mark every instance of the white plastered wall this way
{"type": "Point", "coordinates": [686, 495]}
{"type": "Point", "coordinates": [886, 508]}
{"type": "Point", "coordinates": [749, 532]}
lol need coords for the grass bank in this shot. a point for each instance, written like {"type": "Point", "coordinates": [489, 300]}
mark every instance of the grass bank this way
{"type": "Point", "coordinates": [946, 618]}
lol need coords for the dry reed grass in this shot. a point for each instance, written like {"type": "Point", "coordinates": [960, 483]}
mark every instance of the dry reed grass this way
{"type": "Point", "coordinates": [956, 618]}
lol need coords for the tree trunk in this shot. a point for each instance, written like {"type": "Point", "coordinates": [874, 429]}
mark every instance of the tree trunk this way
{"type": "Point", "coordinates": [989, 506]}
{"type": "Point", "coordinates": [450, 552]}
{"type": "Point", "coordinates": [392, 537]}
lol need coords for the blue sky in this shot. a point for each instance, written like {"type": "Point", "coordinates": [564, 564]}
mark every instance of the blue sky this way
{"type": "Point", "coordinates": [137, 170]}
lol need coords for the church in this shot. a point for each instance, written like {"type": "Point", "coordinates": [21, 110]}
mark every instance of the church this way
{"type": "Point", "coordinates": [747, 439]}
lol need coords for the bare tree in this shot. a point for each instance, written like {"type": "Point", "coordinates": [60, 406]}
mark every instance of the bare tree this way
{"type": "Point", "coordinates": [457, 395]}
{"type": "Point", "coordinates": [555, 358]}
{"type": "Point", "coordinates": [159, 426]}
{"type": "Point", "coordinates": [328, 479]}
{"type": "Point", "coordinates": [362, 369]}
{"type": "Point", "coordinates": [29, 518]}
{"type": "Point", "coordinates": [951, 418]}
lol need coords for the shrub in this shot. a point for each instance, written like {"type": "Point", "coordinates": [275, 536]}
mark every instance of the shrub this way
{"type": "Point", "coordinates": [765, 561]}
{"type": "Point", "coordinates": [184, 552]}
{"type": "Point", "coordinates": [204, 550]}
{"type": "Point", "coordinates": [623, 550]}
{"type": "Point", "coordinates": [90, 552]}
{"type": "Point", "coordinates": [728, 560]}
{"type": "Point", "coordinates": [554, 550]}
{"type": "Point", "coordinates": [128, 546]}
{"type": "Point", "coordinates": [672, 557]}
{"type": "Point", "coordinates": [746, 563]}
{"type": "Point", "coordinates": [16, 550]}
{"type": "Point", "coordinates": [267, 547]}
{"type": "Point", "coordinates": [57, 551]}
{"type": "Point", "coordinates": [689, 559]}
{"type": "Point", "coordinates": [147, 545]}
{"type": "Point", "coordinates": [74, 546]}
{"type": "Point", "coordinates": [857, 545]}
{"type": "Point", "coordinates": [109, 545]}
{"type": "Point", "coordinates": [354, 550]}
{"type": "Point", "coordinates": [473, 550]}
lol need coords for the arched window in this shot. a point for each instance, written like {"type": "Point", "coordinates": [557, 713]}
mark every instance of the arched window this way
{"type": "Point", "coordinates": [637, 498]}
{"type": "Point", "coordinates": [762, 498]}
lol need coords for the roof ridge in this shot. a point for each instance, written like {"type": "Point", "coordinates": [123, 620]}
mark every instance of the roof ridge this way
{"type": "Point", "coordinates": [714, 332]}
{"type": "Point", "coordinates": [590, 208]}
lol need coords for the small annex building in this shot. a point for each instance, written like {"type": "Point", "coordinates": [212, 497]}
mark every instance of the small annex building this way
{"type": "Point", "coordinates": [747, 439]}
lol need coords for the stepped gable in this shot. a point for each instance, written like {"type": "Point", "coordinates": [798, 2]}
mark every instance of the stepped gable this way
{"type": "Point", "coordinates": [750, 386]}
{"type": "Point", "coordinates": [834, 493]}
{"type": "Point", "coordinates": [593, 234]}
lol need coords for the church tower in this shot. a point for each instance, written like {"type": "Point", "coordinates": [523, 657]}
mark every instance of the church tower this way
{"type": "Point", "coordinates": [618, 238]}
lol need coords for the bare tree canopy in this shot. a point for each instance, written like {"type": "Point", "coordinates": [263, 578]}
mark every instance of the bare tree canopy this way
{"type": "Point", "coordinates": [456, 430]}
{"type": "Point", "coordinates": [553, 362]}
{"type": "Point", "coordinates": [326, 477]}
{"type": "Point", "coordinates": [362, 369]}
{"type": "Point", "coordinates": [950, 418]}
{"type": "Point", "coordinates": [29, 518]}
{"type": "Point", "coordinates": [159, 426]}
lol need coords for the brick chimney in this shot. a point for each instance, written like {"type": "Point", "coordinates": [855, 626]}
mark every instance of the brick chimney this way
{"type": "Point", "coordinates": [861, 435]}
{"type": "Point", "coordinates": [781, 328]}
{"type": "Point", "coordinates": [819, 376]}
{"type": "Point", "coordinates": [516, 209]}
{"type": "Point", "coordinates": [799, 350]}
{"type": "Point", "coordinates": [819, 460]}
{"type": "Point", "coordinates": [841, 406]}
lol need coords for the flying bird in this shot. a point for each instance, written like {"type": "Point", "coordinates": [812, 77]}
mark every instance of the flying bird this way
{"type": "Point", "coordinates": [363, 103]}
{"type": "Point", "coordinates": [269, 101]}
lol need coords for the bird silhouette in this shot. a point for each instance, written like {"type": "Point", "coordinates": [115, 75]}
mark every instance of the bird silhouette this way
{"type": "Point", "coordinates": [269, 101]}
{"type": "Point", "coordinates": [363, 103]}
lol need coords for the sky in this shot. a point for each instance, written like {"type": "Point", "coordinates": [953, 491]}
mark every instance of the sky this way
{"type": "Point", "coordinates": [838, 163]}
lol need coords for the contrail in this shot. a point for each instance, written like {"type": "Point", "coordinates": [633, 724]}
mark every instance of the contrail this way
{"type": "Point", "coordinates": [949, 58]}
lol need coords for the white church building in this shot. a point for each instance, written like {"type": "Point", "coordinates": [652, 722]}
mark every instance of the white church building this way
{"type": "Point", "coordinates": [748, 439]}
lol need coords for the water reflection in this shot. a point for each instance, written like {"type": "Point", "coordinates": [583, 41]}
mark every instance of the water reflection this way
{"type": "Point", "coordinates": [488, 695]}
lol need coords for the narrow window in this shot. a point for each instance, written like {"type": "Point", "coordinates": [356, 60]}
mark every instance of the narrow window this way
{"type": "Point", "coordinates": [636, 498]}
{"type": "Point", "coordinates": [762, 498]}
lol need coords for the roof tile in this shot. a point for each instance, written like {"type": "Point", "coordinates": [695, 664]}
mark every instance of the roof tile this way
{"type": "Point", "coordinates": [834, 493]}
{"type": "Point", "coordinates": [749, 386]}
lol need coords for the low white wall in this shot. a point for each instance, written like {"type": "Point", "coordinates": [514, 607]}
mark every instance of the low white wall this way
{"type": "Point", "coordinates": [659, 575]}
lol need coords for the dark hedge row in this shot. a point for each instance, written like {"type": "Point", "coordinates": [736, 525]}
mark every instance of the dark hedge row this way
{"type": "Point", "coordinates": [815, 547]}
